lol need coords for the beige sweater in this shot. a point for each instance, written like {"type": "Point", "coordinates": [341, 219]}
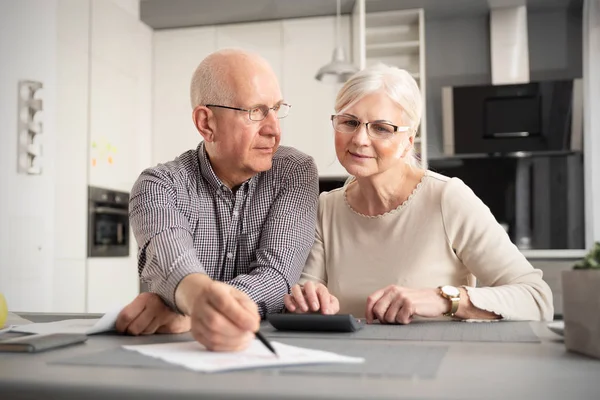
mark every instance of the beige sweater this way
{"type": "Point", "coordinates": [442, 235]}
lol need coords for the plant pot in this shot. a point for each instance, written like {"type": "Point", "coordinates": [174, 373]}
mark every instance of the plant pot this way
{"type": "Point", "coordinates": [581, 310]}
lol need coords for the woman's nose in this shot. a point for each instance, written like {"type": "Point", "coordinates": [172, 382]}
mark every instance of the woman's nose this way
{"type": "Point", "coordinates": [360, 135]}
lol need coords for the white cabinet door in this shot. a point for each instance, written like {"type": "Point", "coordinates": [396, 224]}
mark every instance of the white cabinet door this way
{"type": "Point", "coordinates": [111, 122]}
{"type": "Point", "coordinates": [308, 44]}
{"type": "Point", "coordinates": [177, 53]}
{"type": "Point", "coordinates": [120, 132]}
{"type": "Point", "coordinates": [120, 77]}
{"type": "Point", "coordinates": [111, 283]}
{"type": "Point", "coordinates": [263, 38]}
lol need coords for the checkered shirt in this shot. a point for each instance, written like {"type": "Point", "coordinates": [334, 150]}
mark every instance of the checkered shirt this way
{"type": "Point", "coordinates": [257, 239]}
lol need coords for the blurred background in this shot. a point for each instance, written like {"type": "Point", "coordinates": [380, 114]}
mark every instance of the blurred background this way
{"type": "Point", "coordinates": [94, 91]}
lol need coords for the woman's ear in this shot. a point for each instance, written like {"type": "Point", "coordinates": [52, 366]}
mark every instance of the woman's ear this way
{"type": "Point", "coordinates": [410, 142]}
{"type": "Point", "coordinates": [204, 121]}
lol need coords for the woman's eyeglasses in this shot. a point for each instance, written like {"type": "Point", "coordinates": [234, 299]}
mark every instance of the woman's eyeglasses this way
{"type": "Point", "coordinates": [376, 130]}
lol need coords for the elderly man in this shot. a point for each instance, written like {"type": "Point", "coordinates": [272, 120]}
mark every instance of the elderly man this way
{"type": "Point", "coordinates": [224, 230]}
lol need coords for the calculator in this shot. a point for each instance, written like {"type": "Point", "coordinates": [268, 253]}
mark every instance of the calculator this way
{"type": "Point", "coordinates": [315, 322]}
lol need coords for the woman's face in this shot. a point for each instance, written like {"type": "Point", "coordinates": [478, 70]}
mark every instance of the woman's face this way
{"type": "Point", "coordinates": [363, 155]}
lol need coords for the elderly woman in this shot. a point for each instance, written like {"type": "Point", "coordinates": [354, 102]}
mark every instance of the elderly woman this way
{"type": "Point", "coordinates": [398, 241]}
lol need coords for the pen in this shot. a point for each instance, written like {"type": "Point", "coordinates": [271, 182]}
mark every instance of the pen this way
{"type": "Point", "coordinates": [266, 342]}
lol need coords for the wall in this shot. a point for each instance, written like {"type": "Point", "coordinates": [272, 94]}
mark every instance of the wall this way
{"type": "Point", "coordinates": [120, 132]}
{"type": "Point", "coordinates": [72, 115]}
{"type": "Point", "coordinates": [94, 59]}
{"type": "Point", "coordinates": [458, 53]}
{"type": "Point", "coordinates": [291, 48]}
{"type": "Point", "coordinates": [28, 44]}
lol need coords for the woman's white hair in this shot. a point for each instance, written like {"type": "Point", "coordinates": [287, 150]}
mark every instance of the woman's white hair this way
{"type": "Point", "coordinates": [209, 83]}
{"type": "Point", "coordinates": [398, 84]}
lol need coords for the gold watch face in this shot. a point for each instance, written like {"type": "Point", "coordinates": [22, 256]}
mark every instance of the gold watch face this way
{"type": "Point", "coordinates": [450, 291]}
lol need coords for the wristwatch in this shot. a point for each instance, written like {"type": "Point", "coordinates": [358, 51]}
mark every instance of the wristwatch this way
{"type": "Point", "coordinates": [453, 294]}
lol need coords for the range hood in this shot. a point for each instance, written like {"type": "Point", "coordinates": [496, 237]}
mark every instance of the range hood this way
{"type": "Point", "coordinates": [509, 45]}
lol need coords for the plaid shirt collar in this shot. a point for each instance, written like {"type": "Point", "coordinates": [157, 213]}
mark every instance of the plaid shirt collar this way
{"type": "Point", "coordinates": [209, 175]}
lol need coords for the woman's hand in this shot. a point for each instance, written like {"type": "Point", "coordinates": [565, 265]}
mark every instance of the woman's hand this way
{"type": "Point", "coordinates": [397, 305]}
{"type": "Point", "coordinates": [311, 298]}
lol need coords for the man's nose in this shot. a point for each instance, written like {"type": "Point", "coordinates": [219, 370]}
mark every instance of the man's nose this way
{"type": "Point", "coordinates": [271, 123]}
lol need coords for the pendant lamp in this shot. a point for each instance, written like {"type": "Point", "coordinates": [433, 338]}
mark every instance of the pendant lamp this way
{"type": "Point", "coordinates": [338, 70]}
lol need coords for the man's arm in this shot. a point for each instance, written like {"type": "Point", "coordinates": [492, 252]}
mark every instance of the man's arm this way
{"type": "Point", "coordinates": [221, 317]}
{"type": "Point", "coordinates": [285, 241]}
{"type": "Point", "coordinates": [167, 253]}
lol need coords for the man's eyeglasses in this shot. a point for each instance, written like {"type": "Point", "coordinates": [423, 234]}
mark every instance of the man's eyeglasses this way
{"type": "Point", "coordinates": [376, 130]}
{"type": "Point", "coordinates": [259, 113]}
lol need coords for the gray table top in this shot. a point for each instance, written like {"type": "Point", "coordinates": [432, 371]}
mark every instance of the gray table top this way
{"type": "Point", "coordinates": [469, 370]}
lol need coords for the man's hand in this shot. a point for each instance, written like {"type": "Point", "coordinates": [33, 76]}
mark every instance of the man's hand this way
{"type": "Point", "coordinates": [222, 317]}
{"type": "Point", "coordinates": [148, 314]}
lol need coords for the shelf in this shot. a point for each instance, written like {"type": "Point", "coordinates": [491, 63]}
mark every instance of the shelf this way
{"type": "Point", "coordinates": [400, 33]}
{"type": "Point", "coordinates": [391, 18]}
{"type": "Point", "coordinates": [393, 49]}
{"type": "Point", "coordinates": [405, 63]}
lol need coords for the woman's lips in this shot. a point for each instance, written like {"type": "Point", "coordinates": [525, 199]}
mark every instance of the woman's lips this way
{"type": "Point", "coordinates": [360, 156]}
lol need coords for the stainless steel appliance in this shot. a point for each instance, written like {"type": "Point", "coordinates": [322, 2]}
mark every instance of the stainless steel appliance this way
{"type": "Point", "coordinates": [108, 223]}
{"type": "Point", "coordinates": [541, 117]}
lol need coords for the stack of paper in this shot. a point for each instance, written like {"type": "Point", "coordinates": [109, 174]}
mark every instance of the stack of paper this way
{"type": "Point", "coordinates": [84, 326]}
{"type": "Point", "coordinates": [193, 355]}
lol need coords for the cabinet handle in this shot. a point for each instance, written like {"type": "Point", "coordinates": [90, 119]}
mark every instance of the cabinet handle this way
{"type": "Point", "coordinates": [510, 134]}
{"type": "Point", "coordinates": [108, 210]}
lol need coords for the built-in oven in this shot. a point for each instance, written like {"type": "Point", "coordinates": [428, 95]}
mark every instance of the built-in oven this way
{"type": "Point", "coordinates": [108, 223]}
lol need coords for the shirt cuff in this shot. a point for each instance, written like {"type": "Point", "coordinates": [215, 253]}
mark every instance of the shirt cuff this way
{"type": "Point", "coordinates": [166, 288]}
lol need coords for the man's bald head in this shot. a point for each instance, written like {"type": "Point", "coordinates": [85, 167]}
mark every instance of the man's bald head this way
{"type": "Point", "coordinates": [220, 75]}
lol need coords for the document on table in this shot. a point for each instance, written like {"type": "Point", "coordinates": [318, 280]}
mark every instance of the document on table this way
{"type": "Point", "coordinates": [85, 326]}
{"type": "Point", "coordinates": [194, 356]}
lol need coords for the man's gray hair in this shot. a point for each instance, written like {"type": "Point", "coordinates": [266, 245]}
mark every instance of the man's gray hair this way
{"type": "Point", "coordinates": [397, 83]}
{"type": "Point", "coordinates": [209, 83]}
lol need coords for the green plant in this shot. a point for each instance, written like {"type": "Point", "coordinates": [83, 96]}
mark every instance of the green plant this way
{"type": "Point", "coordinates": [591, 260]}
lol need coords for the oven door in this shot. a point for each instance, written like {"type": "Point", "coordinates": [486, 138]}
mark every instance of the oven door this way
{"type": "Point", "coordinates": [109, 232]}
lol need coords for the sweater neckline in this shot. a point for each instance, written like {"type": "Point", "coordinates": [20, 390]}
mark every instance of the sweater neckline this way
{"type": "Point", "coordinates": [396, 210]}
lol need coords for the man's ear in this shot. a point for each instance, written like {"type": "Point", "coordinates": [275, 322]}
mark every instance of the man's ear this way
{"type": "Point", "coordinates": [205, 122]}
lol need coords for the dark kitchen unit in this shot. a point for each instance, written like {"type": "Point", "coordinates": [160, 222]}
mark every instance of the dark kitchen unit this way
{"type": "Point", "coordinates": [108, 223]}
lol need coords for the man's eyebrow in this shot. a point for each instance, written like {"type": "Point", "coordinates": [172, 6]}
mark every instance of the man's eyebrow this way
{"type": "Point", "coordinates": [278, 103]}
{"type": "Point", "coordinates": [349, 115]}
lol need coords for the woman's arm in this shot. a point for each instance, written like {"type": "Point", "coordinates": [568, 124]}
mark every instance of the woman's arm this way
{"type": "Point", "coordinates": [315, 268]}
{"type": "Point", "coordinates": [467, 310]}
{"type": "Point", "coordinates": [512, 288]}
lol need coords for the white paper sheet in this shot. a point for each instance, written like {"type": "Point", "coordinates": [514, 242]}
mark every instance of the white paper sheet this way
{"type": "Point", "coordinates": [84, 326]}
{"type": "Point", "coordinates": [193, 355]}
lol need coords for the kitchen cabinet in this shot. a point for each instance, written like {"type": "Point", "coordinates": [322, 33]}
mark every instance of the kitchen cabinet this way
{"type": "Point", "coordinates": [176, 54]}
{"type": "Point", "coordinates": [120, 97]}
{"type": "Point", "coordinates": [296, 49]}
{"type": "Point", "coordinates": [29, 48]}
{"type": "Point", "coordinates": [307, 46]}
{"type": "Point", "coordinates": [120, 133]}
{"type": "Point", "coordinates": [395, 38]}
{"type": "Point", "coordinates": [261, 37]}
{"type": "Point", "coordinates": [72, 115]}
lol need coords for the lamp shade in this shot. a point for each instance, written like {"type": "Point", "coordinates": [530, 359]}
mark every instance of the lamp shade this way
{"type": "Point", "coordinates": [338, 70]}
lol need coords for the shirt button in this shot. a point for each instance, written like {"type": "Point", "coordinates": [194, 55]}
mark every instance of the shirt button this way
{"type": "Point", "coordinates": [229, 255]}
{"type": "Point", "coordinates": [236, 213]}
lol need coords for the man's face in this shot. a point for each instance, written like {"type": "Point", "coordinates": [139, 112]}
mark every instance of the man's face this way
{"type": "Point", "coordinates": [243, 146]}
